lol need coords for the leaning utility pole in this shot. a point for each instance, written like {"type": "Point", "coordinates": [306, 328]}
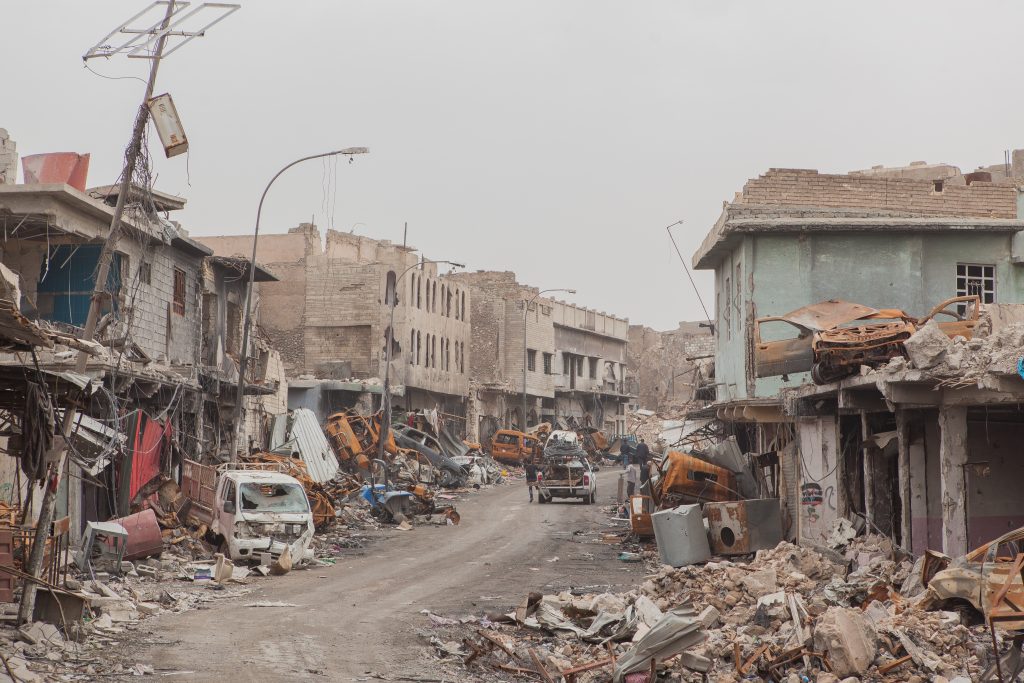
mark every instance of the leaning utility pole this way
{"type": "Point", "coordinates": [136, 47]}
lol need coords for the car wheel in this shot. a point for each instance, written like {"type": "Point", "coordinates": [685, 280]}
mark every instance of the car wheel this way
{"type": "Point", "coordinates": [542, 499]}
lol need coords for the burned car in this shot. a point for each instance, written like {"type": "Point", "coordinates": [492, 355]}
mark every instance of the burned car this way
{"type": "Point", "coordinates": [834, 338]}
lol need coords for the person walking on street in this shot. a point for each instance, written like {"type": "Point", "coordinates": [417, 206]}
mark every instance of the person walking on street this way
{"type": "Point", "coordinates": [642, 457]}
{"type": "Point", "coordinates": [632, 472]}
{"type": "Point", "coordinates": [532, 467]}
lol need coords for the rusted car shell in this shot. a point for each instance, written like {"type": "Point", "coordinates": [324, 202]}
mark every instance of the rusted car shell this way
{"type": "Point", "coordinates": [979, 576]}
{"type": "Point", "coordinates": [831, 347]}
{"type": "Point", "coordinates": [688, 479]}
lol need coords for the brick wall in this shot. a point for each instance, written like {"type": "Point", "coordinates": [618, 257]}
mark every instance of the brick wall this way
{"type": "Point", "coordinates": [919, 197]}
{"type": "Point", "coordinates": [341, 342]}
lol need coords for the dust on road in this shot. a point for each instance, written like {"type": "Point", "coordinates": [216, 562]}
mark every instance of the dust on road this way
{"type": "Point", "coordinates": [361, 618]}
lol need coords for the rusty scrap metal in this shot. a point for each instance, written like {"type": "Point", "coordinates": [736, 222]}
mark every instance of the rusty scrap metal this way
{"type": "Point", "coordinates": [831, 347]}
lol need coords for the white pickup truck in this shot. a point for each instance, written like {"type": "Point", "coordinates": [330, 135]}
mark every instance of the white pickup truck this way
{"type": "Point", "coordinates": [258, 510]}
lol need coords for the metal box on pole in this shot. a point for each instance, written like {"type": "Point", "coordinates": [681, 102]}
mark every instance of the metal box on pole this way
{"type": "Point", "coordinates": [168, 125]}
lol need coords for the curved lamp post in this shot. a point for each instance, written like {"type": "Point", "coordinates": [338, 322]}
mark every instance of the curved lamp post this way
{"type": "Point", "coordinates": [526, 309]}
{"type": "Point", "coordinates": [246, 322]}
{"type": "Point", "coordinates": [392, 298]}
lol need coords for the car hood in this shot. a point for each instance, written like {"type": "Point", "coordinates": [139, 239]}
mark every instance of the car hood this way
{"type": "Point", "coordinates": [827, 315]}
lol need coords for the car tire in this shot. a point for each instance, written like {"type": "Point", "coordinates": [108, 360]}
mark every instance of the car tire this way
{"type": "Point", "coordinates": [541, 499]}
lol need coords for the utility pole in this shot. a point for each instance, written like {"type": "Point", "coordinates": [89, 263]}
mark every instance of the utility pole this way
{"type": "Point", "coordinates": [160, 33]}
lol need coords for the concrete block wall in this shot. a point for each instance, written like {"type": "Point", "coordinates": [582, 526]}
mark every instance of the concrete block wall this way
{"type": "Point", "coordinates": [498, 332]}
{"type": "Point", "coordinates": [808, 187]}
{"type": "Point", "coordinates": [155, 327]}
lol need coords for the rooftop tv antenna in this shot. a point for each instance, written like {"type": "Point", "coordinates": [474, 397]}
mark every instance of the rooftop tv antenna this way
{"type": "Point", "coordinates": [151, 42]}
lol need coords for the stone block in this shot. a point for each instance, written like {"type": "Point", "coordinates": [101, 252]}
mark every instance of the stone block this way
{"type": "Point", "coordinates": [848, 639]}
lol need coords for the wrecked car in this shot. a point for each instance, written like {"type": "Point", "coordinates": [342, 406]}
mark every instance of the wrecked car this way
{"type": "Point", "coordinates": [680, 479]}
{"type": "Point", "coordinates": [475, 467]}
{"type": "Point", "coordinates": [452, 473]}
{"type": "Point", "coordinates": [512, 447]}
{"type": "Point", "coordinates": [834, 338]}
{"type": "Point", "coordinates": [260, 510]}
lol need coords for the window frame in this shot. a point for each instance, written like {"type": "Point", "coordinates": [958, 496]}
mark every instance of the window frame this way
{"type": "Point", "coordinates": [180, 292]}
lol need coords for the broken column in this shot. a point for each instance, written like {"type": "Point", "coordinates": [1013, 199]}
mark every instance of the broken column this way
{"type": "Point", "coordinates": [903, 469]}
{"type": "Point", "coordinates": [8, 159]}
{"type": "Point", "coordinates": [952, 463]}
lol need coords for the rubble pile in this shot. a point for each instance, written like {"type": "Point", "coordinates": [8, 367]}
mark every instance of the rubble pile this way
{"type": "Point", "coordinates": [788, 613]}
{"type": "Point", "coordinates": [959, 361]}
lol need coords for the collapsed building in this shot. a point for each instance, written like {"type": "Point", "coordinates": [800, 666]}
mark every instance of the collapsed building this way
{"type": "Point", "coordinates": [574, 357]}
{"type": "Point", "coordinates": [673, 368]}
{"type": "Point", "coordinates": [920, 456]}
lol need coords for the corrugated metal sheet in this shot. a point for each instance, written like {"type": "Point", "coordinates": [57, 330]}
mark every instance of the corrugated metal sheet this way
{"type": "Point", "coordinates": [147, 441]}
{"type": "Point", "coordinates": [314, 450]}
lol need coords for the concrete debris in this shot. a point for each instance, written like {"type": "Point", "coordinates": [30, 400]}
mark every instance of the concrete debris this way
{"type": "Point", "coordinates": [789, 612]}
{"type": "Point", "coordinates": [847, 639]}
{"type": "Point", "coordinates": [928, 346]}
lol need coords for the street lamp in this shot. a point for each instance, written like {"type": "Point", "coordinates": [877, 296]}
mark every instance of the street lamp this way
{"type": "Point", "coordinates": [246, 322]}
{"type": "Point", "coordinates": [392, 297]}
{"type": "Point", "coordinates": [526, 308]}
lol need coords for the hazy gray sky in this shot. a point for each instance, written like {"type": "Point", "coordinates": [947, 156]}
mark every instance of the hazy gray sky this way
{"type": "Point", "coordinates": [553, 138]}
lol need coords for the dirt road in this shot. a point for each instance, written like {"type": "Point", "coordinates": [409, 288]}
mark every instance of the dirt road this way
{"type": "Point", "coordinates": [360, 619]}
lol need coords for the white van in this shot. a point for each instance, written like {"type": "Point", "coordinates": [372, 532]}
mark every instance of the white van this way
{"type": "Point", "coordinates": [260, 511]}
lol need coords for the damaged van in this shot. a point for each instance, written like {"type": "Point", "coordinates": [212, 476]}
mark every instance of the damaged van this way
{"type": "Point", "coordinates": [260, 510]}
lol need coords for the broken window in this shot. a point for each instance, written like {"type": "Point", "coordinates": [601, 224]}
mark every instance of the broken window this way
{"type": "Point", "coordinates": [976, 279]}
{"type": "Point", "coordinates": [419, 346]}
{"type": "Point", "coordinates": [66, 280]}
{"type": "Point", "coordinates": [234, 329]}
{"type": "Point", "coordinates": [579, 366]}
{"type": "Point", "coordinates": [531, 360]}
{"type": "Point", "coordinates": [433, 350]}
{"type": "Point", "coordinates": [463, 305]}
{"type": "Point", "coordinates": [593, 368]}
{"type": "Point", "coordinates": [547, 363]}
{"type": "Point", "coordinates": [145, 273]}
{"type": "Point", "coordinates": [412, 347]}
{"type": "Point", "coordinates": [433, 297]}
{"type": "Point", "coordinates": [390, 291]}
{"type": "Point", "coordinates": [280, 498]}
{"type": "Point", "coordinates": [419, 292]}
{"type": "Point", "coordinates": [179, 291]}
{"type": "Point", "coordinates": [727, 312]}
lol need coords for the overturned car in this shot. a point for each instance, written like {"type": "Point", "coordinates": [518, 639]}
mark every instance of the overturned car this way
{"type": "Point", "coordinates": [834, 338]}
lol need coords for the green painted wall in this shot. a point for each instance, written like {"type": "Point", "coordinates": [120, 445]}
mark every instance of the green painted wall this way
{"type": "Point", "coordinates": [779, 273]}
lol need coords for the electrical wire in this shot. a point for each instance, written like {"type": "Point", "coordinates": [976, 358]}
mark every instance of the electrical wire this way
{"type": "Point", "coordinates": [668, 229]}
{"type": "Point", "coordinates": [113, 78]}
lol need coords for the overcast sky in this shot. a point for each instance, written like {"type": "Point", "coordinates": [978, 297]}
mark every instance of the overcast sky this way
{"type": "Point", "coordinates": [554, 138]}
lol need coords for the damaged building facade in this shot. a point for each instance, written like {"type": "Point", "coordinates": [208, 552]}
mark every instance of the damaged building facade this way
{"type": "Point", "coordinates": [575, 359]}
{"type": "Point", "coordinates": [329, 316]}
{"type": "Point", "coordinates": [921, 456]}
{"type": "Point", "coordinates": [149, 397]}
{"type": "Point", "coordinates": [671, 369]}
